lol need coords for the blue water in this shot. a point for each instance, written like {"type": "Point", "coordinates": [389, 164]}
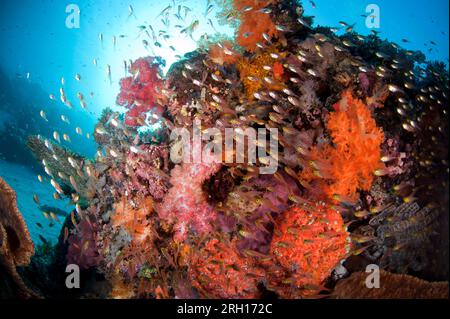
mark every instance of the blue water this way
{"type": "Point", "coordinates": [38, 49]}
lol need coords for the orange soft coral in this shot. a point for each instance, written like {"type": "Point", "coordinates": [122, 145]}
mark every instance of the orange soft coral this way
{"type": "Point", "coordinates": [251, 29]}
{"type": "Point", "coordinates": [253, 23]}
{"type": "Point", "coordinates": [307, 244]}
{"type": "Point", "coordinates": [218, 271]}
{"type": "Point", "coordinates": [252, 73]}
{"type": "Point", "coordinates": [132, 216]}
{"type": "Point", "coordinates": [341, 170]}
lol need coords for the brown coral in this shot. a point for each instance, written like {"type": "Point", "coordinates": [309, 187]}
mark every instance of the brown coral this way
{"type": "Point", "coordinates": [392, 286]}
{"type": "Point", "coordinates": [16, 247]}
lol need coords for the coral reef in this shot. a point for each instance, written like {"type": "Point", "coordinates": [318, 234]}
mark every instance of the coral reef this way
{"type": "Point", "coordinates": [361, 167]}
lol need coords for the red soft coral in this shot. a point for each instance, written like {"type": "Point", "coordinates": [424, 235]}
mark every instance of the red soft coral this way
{"type": "Point", "coordinates": [339, 171]}
{"type": "Point", "coordinates": [307, 244]}
{"type": "Point", "coordinates": [218, 271]}
{"type": "Point", "coordinates": [140, 92]}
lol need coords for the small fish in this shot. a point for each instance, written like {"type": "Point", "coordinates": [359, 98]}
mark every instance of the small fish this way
{"type": "Point", "coordinates": [72, 218]}
{"type": "Point", "coordinates": [43, 239]}
{"type": "Point", "coordinates": [362, 213]}
{"type": "Point", "coordinates": [79, 131]}
{"type": "Point", "coordinates": [47, 171]}
{"type": "Point", "coordinates": [312, 72]}
{"type": "Point", "coordinates": [394, 88]}
{"type": "Point", "coordinates": [100, 130]}
{"type": "Point", "coordinates": [191, 28]}
{"type": "Point", "coordinates": [36, 199]}
{"type": "Point", "coordinates": [54, 217]}
{"type": "Point", "coordinates": [208, 10]}
{"type": "Point", "coordinates": [347, 43]}
{"type": "Point", "coordinates": [77, 77]}
{"type": "Point", "coordinates": [304, 23]}
{"type": "Point", "coordinates": [164, 11]}
{"type": "Point", "coordinates": [134, 149]}
{"type": "Point", "coordinates": [359, 251]}
{"type": "Point", "coordinates": [62, 175]}
{"type": "Point", "coordinates": [108, 73]}
{"type": "Point", "coordinates": [350, 28]}
{"type": "Point", "coordinates": [56, 136]}
{"type": "Point", "coordinates": [294, 101]}
{"type": "Point", "coordinates": [65, 119]}
{"type": "Point", "coordinates": [40, 178]}
{"type": "Point", "coordinates": [66, 138]}
{"type": "Point", "coordinates": [113, 153]}
{"type": "Point", "coordinates": [74, 184]}
{"type": "Point", "coordinates": [56, 186]}
{"type": "Point", "coordinates": [66, 234]}
{"type": "Point", "coordinates": [381, 172]}
{"type": "Point", "coordinates": [281, 28]}
{"type": "Point", "coordinates": [85, 246]}
{"type": "Point", "coordinates": [43, 115]}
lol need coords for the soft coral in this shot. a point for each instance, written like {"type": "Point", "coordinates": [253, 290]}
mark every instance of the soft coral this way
{"type": "Point", "coordinates": [186, 204]}
{"type": "Point", "coordinates": [339, 171]}
{"type": "Point", "coordinates": [139, 93]}
{"type": "Point", "coordinates": [254, 23]}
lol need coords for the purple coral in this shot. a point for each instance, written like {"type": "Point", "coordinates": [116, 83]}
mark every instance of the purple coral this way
{"type": "Point", "coordinates": [82, 249]}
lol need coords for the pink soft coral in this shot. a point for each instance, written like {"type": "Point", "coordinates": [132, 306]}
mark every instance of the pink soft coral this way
{"type": "Point", "coordinates": [186, 204]}
{"type": "Point", "coordinates": [139, 93]}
